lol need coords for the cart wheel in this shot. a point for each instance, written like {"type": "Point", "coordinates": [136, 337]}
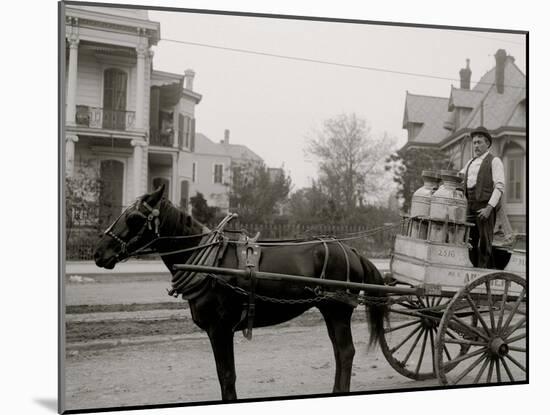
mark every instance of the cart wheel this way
{"type": "Point", "coordinates": [497, 345]}
{"type": "Point", "coordinates": [409, 337]}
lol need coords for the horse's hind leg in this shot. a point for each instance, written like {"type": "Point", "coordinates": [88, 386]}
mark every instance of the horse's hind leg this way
{"type": "Point", "coordinates": [338, 320]}
{"type": "Point", "coordinates": [221, 340]}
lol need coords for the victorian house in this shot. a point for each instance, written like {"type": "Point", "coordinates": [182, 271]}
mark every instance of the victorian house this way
{"type": "Point", "coordinates": [214, 164]}
{"type": "Point", "coordinates": [497, 102]}
{"type": "Point", "coordinates": [125, 123]}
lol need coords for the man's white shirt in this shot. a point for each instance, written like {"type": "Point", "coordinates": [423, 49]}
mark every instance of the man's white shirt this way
{"type": "Point", "coordinates": [498, 176]}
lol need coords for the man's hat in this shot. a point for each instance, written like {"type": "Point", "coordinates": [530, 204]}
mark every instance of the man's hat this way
{"type": "Point", "coordinates": [482, 131]}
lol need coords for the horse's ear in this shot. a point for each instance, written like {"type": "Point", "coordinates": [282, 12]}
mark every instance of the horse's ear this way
{"type": "Point", "coordinates": [157, 195]}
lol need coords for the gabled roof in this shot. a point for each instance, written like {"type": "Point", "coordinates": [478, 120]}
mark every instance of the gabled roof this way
{"type": "Point", "coordinates": [498, 108]}
{"type": "Point", "coordinates": [464, 98]}
{"type": "Point", "coordinates": [490, 108]}
{"type": "Point", "coordinates": [429, 111]}
{"type": "Point", "coordinates": [203, 145]}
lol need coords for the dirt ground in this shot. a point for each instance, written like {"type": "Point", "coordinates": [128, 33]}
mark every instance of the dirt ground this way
{"type": "Point", "coordinates": [122, 352]}
{"type": "Point", "coordinates": [282, 361]}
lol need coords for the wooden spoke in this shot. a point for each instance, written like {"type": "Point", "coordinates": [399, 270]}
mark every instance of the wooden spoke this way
{"type": "Point", "coordinates": [518, 349]}
{"type": "Point", "coordinates": [469, 369]}
{"type": "Point", "coordinates": [406, 313]}
{"type": "Point", "coordinates": [393, 350]}
{"type": "Point", "coordinates": [439, 300]}
{"type": "Point", "coordinates": [490, 296]}
{"type": "Point", "coordinates": [424, 341]}
{"type": "Point", "coordinates": [402, 326]}
{"type": "Point", "coordinates": [447, 352]}
{"type": "Point", "coordinates": [465, 357]}
{"type": "Point", "coordinates": [516, 338]}
{"type": "Point", "coordinates": [471, 329]}
{"type": "Point", "coordinates": [507, 368]}
{"type": "Point", "coordinates": [514, 361]}
{"type": "Point", "coordinates": [432, 343]}
{"type": "Point", "coordinates": [409, 353]}
{"type": "Point", "coordinates": [465, 342]}
{"type": "Point", "coordinates": [504, 299]}
{"type": "Point", "coordinates": [421, 302]}
{"type": "Point", "coordinates": [513, 312]}
{"type": "Point", "coordinates": [478, 315]}
{"type": "Point", "coordinates": [515, 327]}
{"type": "Point", "coordinates": [483, 367]}
{"type": "Point", "coordinates": [490, 372]}
{"type": "Point", "coordinates": [497, 364]}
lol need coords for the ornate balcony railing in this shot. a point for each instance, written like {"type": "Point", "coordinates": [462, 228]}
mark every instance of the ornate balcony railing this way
{"type": "Point", "coordinates": [161, 138]}
{"type": "Point", "coordinates": [109, 119]}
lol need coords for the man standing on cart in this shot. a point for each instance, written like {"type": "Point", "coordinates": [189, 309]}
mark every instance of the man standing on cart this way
{"type": "Point", "coordinates": [483, 187]}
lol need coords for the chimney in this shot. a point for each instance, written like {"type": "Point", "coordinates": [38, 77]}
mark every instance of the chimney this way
{"type": "Point", "coordinates": [500, 58]}
{"type": "Point", "coordinates": [465, 76]}
{"type": "Point", "coordinates": [226, 137]}
{"type": "Point", "coordinates": [189, 78]}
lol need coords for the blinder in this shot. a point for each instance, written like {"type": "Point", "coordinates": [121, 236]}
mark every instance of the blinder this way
{"type": "Point", "coordinates": [151, 222]}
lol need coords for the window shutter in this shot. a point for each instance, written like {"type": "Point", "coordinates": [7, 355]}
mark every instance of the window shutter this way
{"type": "Point", "coordinates": [192, 146]}
{"type": "Point", "coordinates": [154, 109]}
{"type": "Point", "coordinates": [181, 119]}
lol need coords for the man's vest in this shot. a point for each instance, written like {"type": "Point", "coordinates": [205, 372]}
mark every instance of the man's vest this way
{"type": "Point", "coordinates": [484, 183]}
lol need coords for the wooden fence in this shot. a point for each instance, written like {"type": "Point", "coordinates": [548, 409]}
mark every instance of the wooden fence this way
{"type": "Point", "coordinates": [370, 242]}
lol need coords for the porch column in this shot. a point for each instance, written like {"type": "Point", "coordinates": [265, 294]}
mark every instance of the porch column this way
{"type": "Point", "coordinates": [138, 166]}
{"type": "Point", "coordinates": [175, 178]}
{"type": "Point", "coordinates": [70, 141]}
{"type": "Point", "coordinates": [72, 72]}
{"type": "Point", "coordinates": [141, 51]}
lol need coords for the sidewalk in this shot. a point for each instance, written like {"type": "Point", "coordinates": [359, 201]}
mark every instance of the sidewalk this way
{"type": "Point", "coordinates": [153, 267]}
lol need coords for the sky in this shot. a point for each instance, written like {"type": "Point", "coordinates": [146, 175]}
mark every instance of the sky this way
{"type": "Point", "coordinates": [273, 104]}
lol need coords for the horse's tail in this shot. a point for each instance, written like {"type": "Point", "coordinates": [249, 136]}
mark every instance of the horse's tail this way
{"type": "Point", "coordinates": [377, 312]}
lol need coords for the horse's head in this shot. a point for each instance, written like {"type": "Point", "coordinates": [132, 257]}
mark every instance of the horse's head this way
{"type": "Point", "coordinates": [134, 228]}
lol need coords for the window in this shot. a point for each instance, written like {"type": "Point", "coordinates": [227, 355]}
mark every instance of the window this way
{"type": "Point", "coordinates": [114, 99]}
{"type": "Point", "coordinates": [514, 184]}
{"type": "Point", "coordinates": [186, 131]}
{"type": "Point", "coordinates": [194, 172]}
{"type": "Point", "coordinates": [218, 173]}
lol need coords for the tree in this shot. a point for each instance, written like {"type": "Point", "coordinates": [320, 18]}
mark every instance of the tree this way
{"type": "Point", "coordinates": [407, 165]}
{"type": "Point", "coordinates": [255, 194]}
{"type": "Point", "coordinates": [351, 168]}
{"type": "Point", "coordinates": [201, 211]}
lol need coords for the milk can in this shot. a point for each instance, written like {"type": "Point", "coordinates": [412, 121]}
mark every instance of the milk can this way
{"type": "Point", "coordinates": [421, 199]}
{"type": "Point", "coordinates": [448, 203]}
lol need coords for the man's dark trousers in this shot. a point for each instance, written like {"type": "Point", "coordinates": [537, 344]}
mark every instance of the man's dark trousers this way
{"type": "Point", "coordinates": [481, 235]}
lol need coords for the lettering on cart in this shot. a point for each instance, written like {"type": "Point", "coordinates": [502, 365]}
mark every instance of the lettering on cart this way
{"type": "Point", "coordinates": [470, 276]}
{"type": "Point", "coordinates": [446, 252]}
{"type": "Point", "coordinates": [519, 261]}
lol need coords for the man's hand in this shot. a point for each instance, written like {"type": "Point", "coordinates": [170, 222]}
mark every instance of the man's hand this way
{"type": "Point", "coordinates": [484, 213]}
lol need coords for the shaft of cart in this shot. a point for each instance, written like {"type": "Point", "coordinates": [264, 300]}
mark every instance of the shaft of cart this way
{"type": "Point", "coordinates": [262, 275]}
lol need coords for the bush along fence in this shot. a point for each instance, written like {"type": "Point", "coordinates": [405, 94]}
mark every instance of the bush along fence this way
{"type": "Point", "coordinates": [373, 243]}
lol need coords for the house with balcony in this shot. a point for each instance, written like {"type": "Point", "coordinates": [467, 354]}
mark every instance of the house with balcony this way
{"type": "Point", "coordinates": [128, 125]}
{"type": "Point", "coordinates": [497, 102]}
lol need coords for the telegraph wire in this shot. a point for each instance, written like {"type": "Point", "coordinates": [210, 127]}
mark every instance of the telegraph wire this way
{"type": "Point", "coordinates": [324, 62]}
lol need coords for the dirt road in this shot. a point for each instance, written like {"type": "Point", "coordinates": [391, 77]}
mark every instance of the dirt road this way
{"type": "Point", "coordinates": [282, 361]}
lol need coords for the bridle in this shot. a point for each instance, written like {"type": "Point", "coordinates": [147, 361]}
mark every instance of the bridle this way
{"type": "Point", "coordinates": [152, 222]}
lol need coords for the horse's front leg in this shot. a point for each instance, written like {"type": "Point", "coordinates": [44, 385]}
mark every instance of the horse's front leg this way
{"type": "Point", "coordinates": [221, 340]}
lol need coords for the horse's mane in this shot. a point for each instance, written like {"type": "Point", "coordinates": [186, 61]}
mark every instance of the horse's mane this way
{"type": "Point", "coordinates": [174, 221]}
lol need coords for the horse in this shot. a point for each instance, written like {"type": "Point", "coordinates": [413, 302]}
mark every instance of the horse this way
{"type": "Point", "coordinates": [219, 306]}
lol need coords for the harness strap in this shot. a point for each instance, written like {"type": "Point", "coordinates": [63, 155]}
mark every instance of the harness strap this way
{"type": "Point", "coordinates": [251, 309]}
{"type": "Point", "coordinates": [325, 264]}
{"type": "Point", "coordinates": [347, 260]}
